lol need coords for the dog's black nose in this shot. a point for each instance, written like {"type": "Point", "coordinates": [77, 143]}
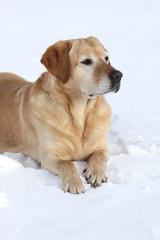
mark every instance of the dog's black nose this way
{"type": "Point", "coordinates": [116, 76]}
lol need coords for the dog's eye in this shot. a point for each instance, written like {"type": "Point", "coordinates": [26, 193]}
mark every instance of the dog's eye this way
{"type": "Point", "coordinates": [106, 58]}
{"type": "Point", "coordinates": [87, 61]}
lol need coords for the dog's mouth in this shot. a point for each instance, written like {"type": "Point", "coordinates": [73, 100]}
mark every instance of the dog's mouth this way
{"type": "Point", "coordinates": [113, 89]}
{"type": "Point", "coordinates": [116, 88]}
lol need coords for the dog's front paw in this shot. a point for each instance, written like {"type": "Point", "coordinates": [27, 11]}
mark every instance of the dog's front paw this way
{"type": "Point", "coordinates": [73, 185]}
{"type": "Point", "coordinates": [94, 176]}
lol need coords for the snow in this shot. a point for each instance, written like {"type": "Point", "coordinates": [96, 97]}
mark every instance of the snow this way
{"type": "Point", "coordinates": [32, 205]}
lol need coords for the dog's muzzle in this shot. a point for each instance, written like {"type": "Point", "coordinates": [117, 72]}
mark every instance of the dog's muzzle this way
{"type": "Point", "coordinates": [115, 77]}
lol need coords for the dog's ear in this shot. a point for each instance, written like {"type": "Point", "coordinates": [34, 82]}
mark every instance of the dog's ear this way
{"type": "Point", "coordinates": [56, 60]}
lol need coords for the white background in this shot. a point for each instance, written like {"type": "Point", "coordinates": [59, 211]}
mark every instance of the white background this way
{"type": "Point", "coordinates": [32, 205]}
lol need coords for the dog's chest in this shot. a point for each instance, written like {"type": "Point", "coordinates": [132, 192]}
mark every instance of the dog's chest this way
{"type": "Point", "coordinates": [76, 134]}
{"type": "Point", "coordinates": [78, 139]}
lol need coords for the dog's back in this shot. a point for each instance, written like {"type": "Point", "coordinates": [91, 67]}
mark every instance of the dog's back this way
{"type": "Point", "coordinates": [11, 88]}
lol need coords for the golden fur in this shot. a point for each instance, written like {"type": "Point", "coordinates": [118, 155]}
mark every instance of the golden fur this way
{"type": "Point", "coordinates": [55, 120]}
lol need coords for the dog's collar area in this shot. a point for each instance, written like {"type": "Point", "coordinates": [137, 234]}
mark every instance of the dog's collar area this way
{"type": "Point", "coordinates": [95, 95]}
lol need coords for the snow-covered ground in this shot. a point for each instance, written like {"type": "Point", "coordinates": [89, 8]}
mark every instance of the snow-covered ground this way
{"type": "Point", "coordinates": [32, 205]}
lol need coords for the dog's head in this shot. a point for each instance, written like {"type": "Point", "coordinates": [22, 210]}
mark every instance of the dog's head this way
{"type": "Point", "coordinates": [83, 65]}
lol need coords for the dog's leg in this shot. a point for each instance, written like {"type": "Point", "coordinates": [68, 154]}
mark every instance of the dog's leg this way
{"type": "Point", "coordinates": [95, 171]}
{"type": "Point", "coordinates": [71, 181]}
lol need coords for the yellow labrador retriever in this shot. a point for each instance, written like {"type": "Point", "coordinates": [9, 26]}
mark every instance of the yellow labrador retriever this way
{"type": "Point", "coordinates": [63, 116]}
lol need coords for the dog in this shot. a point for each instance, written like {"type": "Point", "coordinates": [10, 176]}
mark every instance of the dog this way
{"type": "Point", "coordinates": [63, 116]}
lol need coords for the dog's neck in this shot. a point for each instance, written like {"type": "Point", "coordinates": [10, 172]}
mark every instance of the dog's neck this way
{"type": "Point", "coordinates": [76, 104]}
